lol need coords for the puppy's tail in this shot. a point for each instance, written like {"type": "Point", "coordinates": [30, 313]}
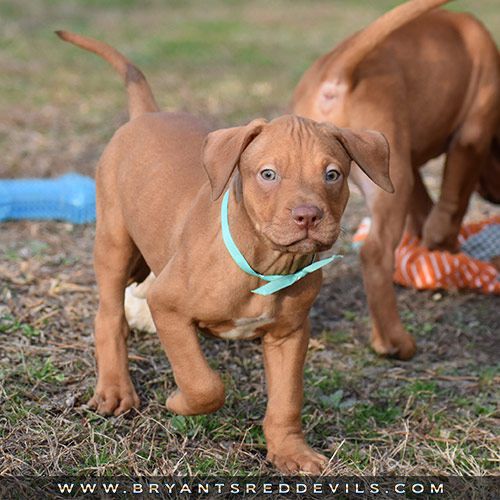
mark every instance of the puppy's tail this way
{"type": "Point", "coordinates": [362, 43]}
{"type": "Point", "coordinates": [140, 97]}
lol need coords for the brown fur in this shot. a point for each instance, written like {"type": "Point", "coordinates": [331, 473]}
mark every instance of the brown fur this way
{"type": "Point", "coordinates": [155, 184]}
{"type": "Point", "coordinates": [431, 85]}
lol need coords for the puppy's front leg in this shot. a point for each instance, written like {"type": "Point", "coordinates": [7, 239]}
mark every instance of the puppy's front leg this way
{"type": "Point", "coordinates": [284, 363]}
{"type": "Point", "coordinates": [200, 389]}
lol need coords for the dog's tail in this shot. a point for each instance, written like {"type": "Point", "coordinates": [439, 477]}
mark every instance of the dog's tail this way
{"type": "Point", "coordinates": [140, 97]}
{"type": "Point", "coordinates": [362, 43]}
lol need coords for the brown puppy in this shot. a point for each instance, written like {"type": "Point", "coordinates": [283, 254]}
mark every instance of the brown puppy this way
{"type": "Point", "coordinates": [157, 210]}
{"type": "Point", "coordinates": [431, 85]}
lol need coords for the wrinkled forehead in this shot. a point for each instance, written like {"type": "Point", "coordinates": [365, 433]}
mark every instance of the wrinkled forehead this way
{"type": "Point", "coordinates": [291, 138]}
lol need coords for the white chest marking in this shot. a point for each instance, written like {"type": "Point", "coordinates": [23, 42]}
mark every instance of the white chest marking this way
{"type": "Point", "coordinates": [245, 328]}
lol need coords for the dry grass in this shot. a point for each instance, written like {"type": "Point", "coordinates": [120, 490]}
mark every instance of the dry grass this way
{"type": "Point", "coordinates": [437, 414]}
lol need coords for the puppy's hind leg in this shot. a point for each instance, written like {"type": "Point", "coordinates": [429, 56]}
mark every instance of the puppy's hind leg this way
{"type": "Point", "coordinates": [116, 258]}
{"type": "Point", "coordinates": [389, 212]}
{"type": "Point", "coordinates": [466, 158]}
{"type": "Point", "coordinates": [420, 206]}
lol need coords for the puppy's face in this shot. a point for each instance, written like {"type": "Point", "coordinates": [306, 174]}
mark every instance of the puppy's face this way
{"type": "Point", "coordinates": [294, 185]}
{"type": "Point", "coordinates": [292, 176]}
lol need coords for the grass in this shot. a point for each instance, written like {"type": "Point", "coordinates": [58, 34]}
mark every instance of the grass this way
{"type": "Point", "coordinates": [228, 62]}
{"type": "Point", "coordinates": [379, 416]}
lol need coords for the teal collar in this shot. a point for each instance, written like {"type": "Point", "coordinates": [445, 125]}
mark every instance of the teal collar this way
{"type": "Point", "coordinates": [276, 281]}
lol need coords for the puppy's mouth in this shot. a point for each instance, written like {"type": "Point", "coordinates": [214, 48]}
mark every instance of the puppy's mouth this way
{"type": "Point", "coordinates": [304, 243]}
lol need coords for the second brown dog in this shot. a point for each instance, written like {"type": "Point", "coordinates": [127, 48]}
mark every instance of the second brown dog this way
{"type": "Point", "coordinates": [430, 81]}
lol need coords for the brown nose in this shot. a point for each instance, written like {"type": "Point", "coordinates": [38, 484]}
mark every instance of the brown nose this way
{"type": "Point", "coordinates": [307, 216]}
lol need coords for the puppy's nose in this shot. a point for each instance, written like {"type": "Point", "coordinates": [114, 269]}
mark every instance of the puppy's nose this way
{"type": "Point", "coordinates": [307, 216]}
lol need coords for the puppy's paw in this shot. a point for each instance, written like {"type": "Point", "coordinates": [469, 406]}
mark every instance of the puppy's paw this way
{"type": "Point", "coordinates": [406, 347]}
{"type": "Point", "coordinates": [114, 399]}
{"type": "Point", "coordinates": [302, 459]}
{"type": "Point", "coordinates": [383, 347]}
{"type": "Point", "coordinates": [176, 403]}
{"type": "Point", "coordinates": [402, 347]}
{"type": "Point", "coordinates": [440, 232]}
{"type": "Point", "coordinates": [198, 403]}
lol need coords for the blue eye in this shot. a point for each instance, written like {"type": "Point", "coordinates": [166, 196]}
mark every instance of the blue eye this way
{"type": "Point", "coordinates": [268, 174]}
{"type": "Point", "coordinates": [332, 175]}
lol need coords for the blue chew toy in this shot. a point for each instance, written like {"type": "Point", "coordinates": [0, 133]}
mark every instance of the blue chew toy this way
{"type": "Point", "coordinates": [70, 197]}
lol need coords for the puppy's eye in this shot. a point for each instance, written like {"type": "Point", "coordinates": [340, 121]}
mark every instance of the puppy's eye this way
{"type": "Point", "coordinates": [268, 174]}
{"type": "Point", "coordinates": [331, 174]}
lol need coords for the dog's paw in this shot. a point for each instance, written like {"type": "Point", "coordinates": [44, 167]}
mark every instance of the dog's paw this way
{"type": "Point", "coordinates": [406, 347]}
{"type": "Point", "coordinates": [114, 399]}
{"type": "Point", "coordinates": [403, 347]}
{"type": "Point", "coordinates": [440, 232]}
{"type": "Point", "coordinates": [197, 404]}
{"type": "Point", "coordinates": [301, 459]}
{"type": "Point", "coordinates": [176, 403]}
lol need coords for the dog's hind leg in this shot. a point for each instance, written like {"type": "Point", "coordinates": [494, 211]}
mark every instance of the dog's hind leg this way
{"type": "Point", "coordinates": [139, 272]}
{"type": "Point", "coordinates": [466, 157]}
{"type": "Point", "coordinates": [420, 206]}
{"type": "Point", "coordinates": [470, 145]}
{"type": "Point", "coordinates": [116, 258]}
{"type": "Point", "coordinates": [461, 174]}
{"type": "Point", "coordinates": [389, 211]}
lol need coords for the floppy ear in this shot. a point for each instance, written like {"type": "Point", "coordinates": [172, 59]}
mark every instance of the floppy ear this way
{"type": "Point", "coordinates": [222, 150]}
{"type": "Point", "coordinates": [370, 150]}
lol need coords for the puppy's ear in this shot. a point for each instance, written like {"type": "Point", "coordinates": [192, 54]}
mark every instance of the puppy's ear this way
{"type": "Point", "coordinates": [370, 150]}
{"type": "Point", "coordinates": [222, 150]}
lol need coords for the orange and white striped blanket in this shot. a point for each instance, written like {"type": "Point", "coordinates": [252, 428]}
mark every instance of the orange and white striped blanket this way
{"type": "Point", "coordinates": [422, 269]}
